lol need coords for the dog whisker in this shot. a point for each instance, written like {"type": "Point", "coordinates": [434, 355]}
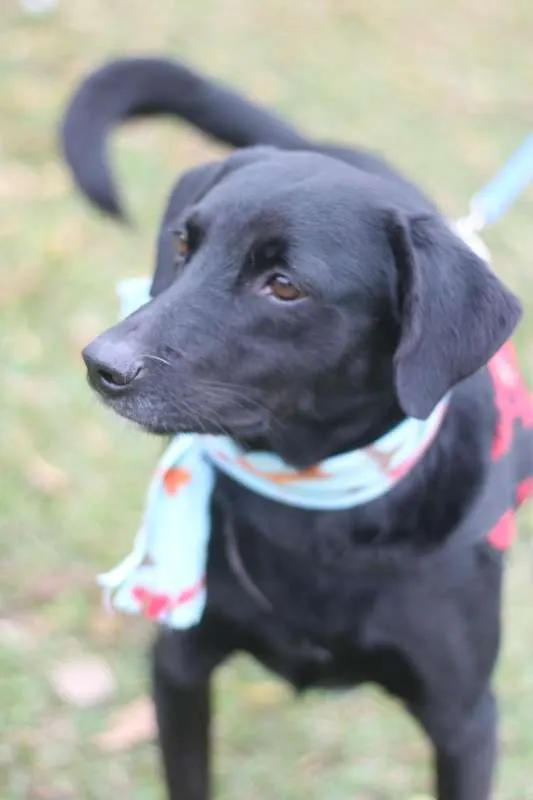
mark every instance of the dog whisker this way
{"type": "Point", "coordinates": [209, 417]}
{"type": "Point", "coordinates": [235, 393]}
{"type": "Point", "coordinates": [156, 358]}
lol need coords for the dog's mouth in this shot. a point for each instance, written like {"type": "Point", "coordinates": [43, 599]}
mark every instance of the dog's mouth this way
{"type": "Point", "coordinates": [139, 398]}
{"type": "Point", "coordinates": [156, 416]}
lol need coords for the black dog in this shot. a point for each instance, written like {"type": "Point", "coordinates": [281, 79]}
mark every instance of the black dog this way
{"type": "Point", "coordinates": [306, 299]}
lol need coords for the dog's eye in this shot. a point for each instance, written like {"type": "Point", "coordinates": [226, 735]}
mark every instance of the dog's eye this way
{"type": "Point", "coordinates": [282, 288]}
{"type": "Point", "coordinates": [181, 244]}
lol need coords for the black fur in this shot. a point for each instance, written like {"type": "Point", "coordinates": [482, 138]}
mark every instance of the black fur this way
{"type": "Point", "coordinates": [395, 311]}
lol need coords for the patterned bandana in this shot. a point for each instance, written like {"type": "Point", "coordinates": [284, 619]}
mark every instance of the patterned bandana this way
{"type": "Point", "coordinates": [164, 576]}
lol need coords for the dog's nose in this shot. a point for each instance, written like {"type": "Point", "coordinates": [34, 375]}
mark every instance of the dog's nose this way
{"type": "Point", "coordinates": [110, 369]}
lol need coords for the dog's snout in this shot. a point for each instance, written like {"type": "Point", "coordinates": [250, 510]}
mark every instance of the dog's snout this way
{"type": "Point", "coordinates": [110, 369]}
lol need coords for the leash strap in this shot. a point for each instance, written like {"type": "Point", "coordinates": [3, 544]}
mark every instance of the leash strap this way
{"type": "Point", "coordinates": [489, 204]}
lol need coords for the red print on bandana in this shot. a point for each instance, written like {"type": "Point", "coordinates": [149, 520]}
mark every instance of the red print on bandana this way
{"type": "Point", "coordinates": [513, 401]}
{"type": "Point", "coordinates": [514, 404]}
{"type": "Point", "coordinates": [156, 604]}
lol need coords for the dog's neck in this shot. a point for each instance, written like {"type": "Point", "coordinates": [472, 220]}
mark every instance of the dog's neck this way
{"type": "Point", "coordinates": [305, 440]}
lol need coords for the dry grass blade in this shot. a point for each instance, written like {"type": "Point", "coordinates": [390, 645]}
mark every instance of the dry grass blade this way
{"type": "Point", "coordinates": [131, 725]}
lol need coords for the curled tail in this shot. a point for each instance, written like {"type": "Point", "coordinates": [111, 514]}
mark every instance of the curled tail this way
{"type": "Point", "coordinates": [140, 87]}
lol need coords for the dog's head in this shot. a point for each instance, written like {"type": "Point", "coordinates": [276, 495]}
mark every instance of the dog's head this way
{"type": "Point", "coordinates": [295, 292]}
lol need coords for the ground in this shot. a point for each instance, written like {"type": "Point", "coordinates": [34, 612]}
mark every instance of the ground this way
{"type": "Point", "coordinates": [445, 93]}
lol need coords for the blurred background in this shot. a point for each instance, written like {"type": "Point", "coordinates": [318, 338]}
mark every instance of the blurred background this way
{"type": "Point", "coordinates": [445, 91]}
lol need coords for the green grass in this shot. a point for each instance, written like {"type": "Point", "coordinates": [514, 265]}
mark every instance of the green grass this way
{"type": "Point", "coordinates": [443, 91]}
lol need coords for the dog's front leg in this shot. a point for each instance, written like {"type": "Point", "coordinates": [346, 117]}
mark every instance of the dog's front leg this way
{"type": "Point", "coordinates": [181, 690]}
{"type": "Point", "coordinates": [183, 718]}
{"type": "Point", "coordinates": [465, 758]}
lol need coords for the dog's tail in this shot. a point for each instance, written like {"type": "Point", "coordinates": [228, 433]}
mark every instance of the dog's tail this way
{"type": "Point", "coordinates": [140, 87]}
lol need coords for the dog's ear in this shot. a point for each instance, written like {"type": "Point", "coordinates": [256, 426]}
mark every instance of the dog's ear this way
{"type": "Point", "coordinates": [454, 312]}
{"type": "Point", "coordinates": [193, 185]}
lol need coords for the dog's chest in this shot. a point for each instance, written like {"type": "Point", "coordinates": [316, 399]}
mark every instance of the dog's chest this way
{"type": "Point", "coordinates": [312, 625]}
{"type": "Point", "coordinates": [303, 609]}
{"type": "Point", "coordinates": [297, 564]}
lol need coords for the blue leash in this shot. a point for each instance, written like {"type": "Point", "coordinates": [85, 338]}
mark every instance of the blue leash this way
{"type": "Point", "coordinates": [489, 204]}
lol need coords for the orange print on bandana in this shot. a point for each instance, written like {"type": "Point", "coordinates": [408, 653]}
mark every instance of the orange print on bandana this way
{"type": "Point", "coordinates": [284, 477]}
{"type": "Point", "coordinates": [175, 478]}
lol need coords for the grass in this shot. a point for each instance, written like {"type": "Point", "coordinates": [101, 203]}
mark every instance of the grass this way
{"type": "Point", "coordinates": [445, 94]}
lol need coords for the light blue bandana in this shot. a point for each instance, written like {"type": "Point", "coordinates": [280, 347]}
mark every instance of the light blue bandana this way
{"type": "Point", "coordinates": [164, 576]}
